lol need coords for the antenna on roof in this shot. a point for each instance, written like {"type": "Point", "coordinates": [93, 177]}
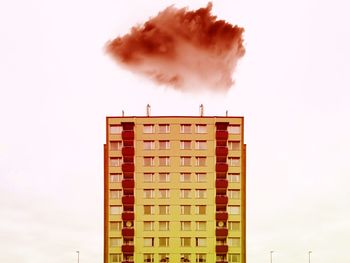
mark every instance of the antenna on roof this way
{"type": "Point", "coordinates": [201, 110]}
{"type": "Point", "coordinates": [148, 110]}
{"type": "Point", "coordinates": [122, 113]}
{"type": "Point", "coordinates": [226, 113]}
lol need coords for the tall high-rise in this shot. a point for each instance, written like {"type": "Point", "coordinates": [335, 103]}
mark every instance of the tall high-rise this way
{"type": "Point", "coordinates": [174, 189]}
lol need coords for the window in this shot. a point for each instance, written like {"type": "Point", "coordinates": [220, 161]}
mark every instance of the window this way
{"type": "Point", "coordinates": [201, 145]}
{"type": "Point", "coordinates": [163, 225]}
{"type": "Point", "coordinates": [164, 161]}
{"type": "Point", "coordinates": [201, 128]}
{"type": "Point", "coordinates": [148, 145]}
{"type": "Point", "coordinates": [115, 145]}
{"type": "Point", "coordinates": [164, 210]}
{"type": "Point", "coordinates": [234, 145]}
{"type": "Point", "coordinates": [234, 129]}
{"type": "Point", "coordinates": [164, 193]}
{"type": "Point", "coordinates": [185, 257]}
{"type": "Point", "coordinates": [233, 210]}
{"type": "Point", "coordinates": [116, 209]}
{"type": "Point", "coordinates": [201, 193]}
{"type": "Point", "coordinates": [200, 209]}
{"type": "Point", "coordinates": [185, 177]}
{"type": "Point", "coordinates": [148, 177]}
{"type": "Point", "coordinates": [185, 193]}
{"type": "Point", "coordinates": [185, 241]}
{"type": "Point", "coordinates": [148, 209]}
{"type": "Point", "coordinates": [220, 257]}
{"type": "Point", "coordinates": [200, 258]}
{"type": "Point", "coordinates": [164, 128]}
{"type": "Point", "coordinates": [148, 241]}
{"type": "Point", "coordinates": [201, 161]}
{"type": "Point", "coordinates": [201, 225]}
{"type": "Point", "coordinates": [148, 193]}
{"type": "Point", "coordinates": [164, 177]}
{"type": "Point", "coordinates": [148, 225]}
{"type": "Point", "coordinates": [185, 145]}
{"type": "Point", "coordinates": [185, 209]}
{"type": "Point", "coordinates": [185, 225]}
{"type": "Point", "coordinates": [115, 161]}
{"type": "Point", "coordinates": [115, 129]}
{"type": "Point", "coordinates": [201, 177]}
{"type": "Point", "coordinates": [221, 241]}
{"type": "Point", "coordinates": [115, 226]}
{"type": "Point", "coordinates": [234, 161]}
{"type": "Point", "coordinates": [148, 257]}
{"type": "Point", "coordinates": [201, 241]}
{"type": "Point", "coordinates": [234, 194]}
{"type": "Point", "coordinates": [164, 145]}
{"type": "Point", "coordinates": [185, 161]}
{"type": "Point", "coordinates": [148, 161]}
{"type": "Point", "coordinates": [148, 128]}
{"type": "Point", "coordinates": [115, 242]}
{"type": "Point", "coordinates": [233, 241]}
{"type": "Point", "coordinates": [115, 178]}
{"type": "Point", "coordinates": [163, 241]}
{"type": "Point", "coordinates": [233, 177]}
{"type": "Point", "coordinates": [185, 128]}
{"type": "Point", "coordinates": [116, 258]}
{"type": "Point", "coordinates": [234, 258]}
{"type": "Point", "coordinates": [234, 226]}
{"type": "Point", "coordinates": [115, 194]}
{"type": "Point", "coordinates": [164, 258]}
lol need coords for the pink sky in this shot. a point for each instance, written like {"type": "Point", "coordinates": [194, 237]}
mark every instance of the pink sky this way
{"type": "Point", "coordinates": [57, 86]}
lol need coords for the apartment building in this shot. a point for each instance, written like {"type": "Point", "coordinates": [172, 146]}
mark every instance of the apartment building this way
{"type": "Point", "coordinates": [174, 189]}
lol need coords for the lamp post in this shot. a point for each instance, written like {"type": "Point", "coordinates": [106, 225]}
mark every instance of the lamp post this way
{"type": "Point", "coordinates": [271, 256]}
{"type": "Point", "coordinates": [310, 256]}
{"type": "Point", "coordinates": [78, 255]}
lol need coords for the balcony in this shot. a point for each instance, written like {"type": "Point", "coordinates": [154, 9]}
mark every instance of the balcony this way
{"type": "Point", "coordinates": [221, 175]}
{"type": "Point", "coordinates": [221, 167]}
{"type": "Point", "coordinates": [128, 167]}
{"type": "Point", "coordinates": [128, 183]}
{"type": "Point", "coordinates": [128, 125]}
{"type": "Point", "coordinates": [221, 261]}
{"type": "Point", "coordinates": [128, 216]}
{"type": "Point", "coordinates": [128, 135]}
{"type": "Point", "coordinates": [221, 151]}
{"type": "Point", "coordinates": [128, 175]}
{"type": "Point", "coordinates": [221, 199]}
{"type": "Point", "coordinates": [221, 183]}
{"type": "Point", "coordinates": [221, 135]}
{"type": "Point", "coordinates": [128, 200]}
{"type": "Point", "coordinates": [221, 216]}
{"type": "Point", "coordinates": [128, 232]}
{"type": "Point", "coordinates": [128, 151]}
{"type": "Point", "coordinates": [128, 248]}
{"type": "Point", "coordinates": [221, 248]}
{"type": "Point", "coordinates": [127, 261]}
{"type": "Point", "coordinates": [221, 232]}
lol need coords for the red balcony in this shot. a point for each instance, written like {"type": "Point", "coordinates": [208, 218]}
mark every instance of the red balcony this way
{"type": "Point", "coordinates": [221, 261]}
{"type": "Point", "coordinates": [221, 232]}
{"type": "Point", "coordinates": [221, 216]}
{"type": "Point", "coordinates": [221, 151]}
{"type": "Point", "coordinates": [128, 151]}
{"type": "Point", "coordinates": [128, 175]}
{"type": "Point", "coordinates": [128, 232]}
{"type": "Point", "coordinates": [128, 126]}
{"type": "Point", "coordinates": [127, 261]}
{"type": "Point", "coordinates": [221, 199]}
{"type": "Point", "coordinates": [128, 216]}
{"type": "Point", "coordinates": [128, 200]}
{"type": "Point", "coordinates": [221, 248]}
{"type": "Point", "coordinates": [128, 183]}
{"type": "Point", "coordinates": [221, 135]}
{"type": "Point", "coordinates": [128, 248]}
{"type": "Point", "coordinates": [128, 135]}
{"type": "Point", "coordinates": [221, 183]}
{"type": "Point", "coordinates": [221, 167]}
{"type": "Point", "coordinates": [128, 167]}
{"type": "Point", "coordinates": [221, 175]}
{"type": "Point", "coordinates": [221, 125]}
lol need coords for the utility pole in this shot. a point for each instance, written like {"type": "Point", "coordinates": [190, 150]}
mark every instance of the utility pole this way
{"type": "Point", "coordinates": [78, 255]}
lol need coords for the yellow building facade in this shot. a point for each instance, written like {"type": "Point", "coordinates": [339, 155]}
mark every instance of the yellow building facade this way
{"type": "Point", "coordinates": [174, 189]}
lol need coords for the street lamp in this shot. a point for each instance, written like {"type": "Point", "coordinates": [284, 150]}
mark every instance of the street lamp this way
{"type": "Point", "coordinates": [310, 256]}
{"type": "Point", "coordinates": [78, 255]}
{"type": "Point", "coordinates": [271, 256]}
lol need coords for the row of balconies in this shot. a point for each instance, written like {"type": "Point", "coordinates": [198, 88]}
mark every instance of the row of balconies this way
{"type": "Point", "coordinates": [219, 216]}
{"type": "Point", "coordinates": [126, 248]}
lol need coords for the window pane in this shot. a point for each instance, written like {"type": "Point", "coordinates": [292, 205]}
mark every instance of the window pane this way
{"type": "Point", "coordinates": [148, 209]}
{"type": "Point", "coordinates": [115, 226]}
{"type": "Point", "coordinates": [185, 193]}
{"type": "Point", "coordinates": [115, 145]}
{"type": "Point", "coordinates": [116, 178]}
{"type": "Point", "coordinates": [233, 241]}
{"type": "Point", "coordinates": [234, 129]}
{"type": "Point", "coordinates": [233, 177]}
{"type": "Point", "coordinates": [233, 210]}
{"type": "Point", "coordinates": [164, 145]}
{"type": "Point", "coordinates": [185, 225]}
{"type": "Point", "coordinates": [234, 161]}
{"type": "Point", "coordinates": [200, 258]}
{"type": "Point", "coordinates": [234, 258]}
{"type": "Point", "coordinates": [185, 161]}
{"type": "Point", "coordinates": [148, 177]}
{"type": "Point", "coordinates": [116, 258]}
{"type": "Point", "coordinates": [201, 128]}
{"type": "Point", "coordinates": [201, 193]}
{"type": "Point", "coordinates": [148, 193]}
{"type": "Point", "coordinates": [234, 226]}
{"type": "Point", "coordinates": [164, 161]}
{"type": "Point", "coordinates": [148, 225]}
{"type": "Point", "coordinates": [164, 193]}
{"type": "Point", "coordinates": [201, 161]}
{"type": "Point", "coordinates": [148, 258]}
{"type": "Point", "coordinates": [163, 241]}
{"type": "Point", "coordinates": [115, 161]}
{"type": "Point", "coordinates": [185, 145]}
{"type": "Point", "coordinates": [148, 145]}
{"type": "Point", "coordinates": [148, 241]}
{"type": "Point", "coordinates": [185, 128]}
{"type": "Point", "coordinates": [201, 225]}
{"type": "Point", "coordinates": [164, 177]}
{"type": "Point", "coordinates": [185, 241]}
{"type": "Point", "coordinates": [115, 129]}
{"type": "Point", "coordinates": [148, 161]}
{"type": "Point", "coordinates": [185, 209]}
{"type": "Point", "coordinates": [148, 128]}
{"type": "Point", "coordinates": [201, 241]}
{"type": "Point", "coordinates": [164, 128]}
{"type": "Point", "coordinates": [115, 242]}
{"type": "Point", "coordinates": [115, 194]}
{"type": "Point", "coordinates": [163, 209]}
{"type": "Point", "coordinates": [234, 194]}
{"type": "Point", "coordinates": [164, 257]}
{"type": "Point", "coordinates": [185, 177]}
{"type": "Point", "coordinates": [234, 145]}
{"type": "Point", "coordinates": [201, 145]}
{"type": "Point", "coordinates": [163, 225]}
{"type": "Point", "coordinates": [201, 177]}
{"type": "Point", "coordinates": [200, 209]}
{"type": "Point", "coordinates": [116, 210]}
